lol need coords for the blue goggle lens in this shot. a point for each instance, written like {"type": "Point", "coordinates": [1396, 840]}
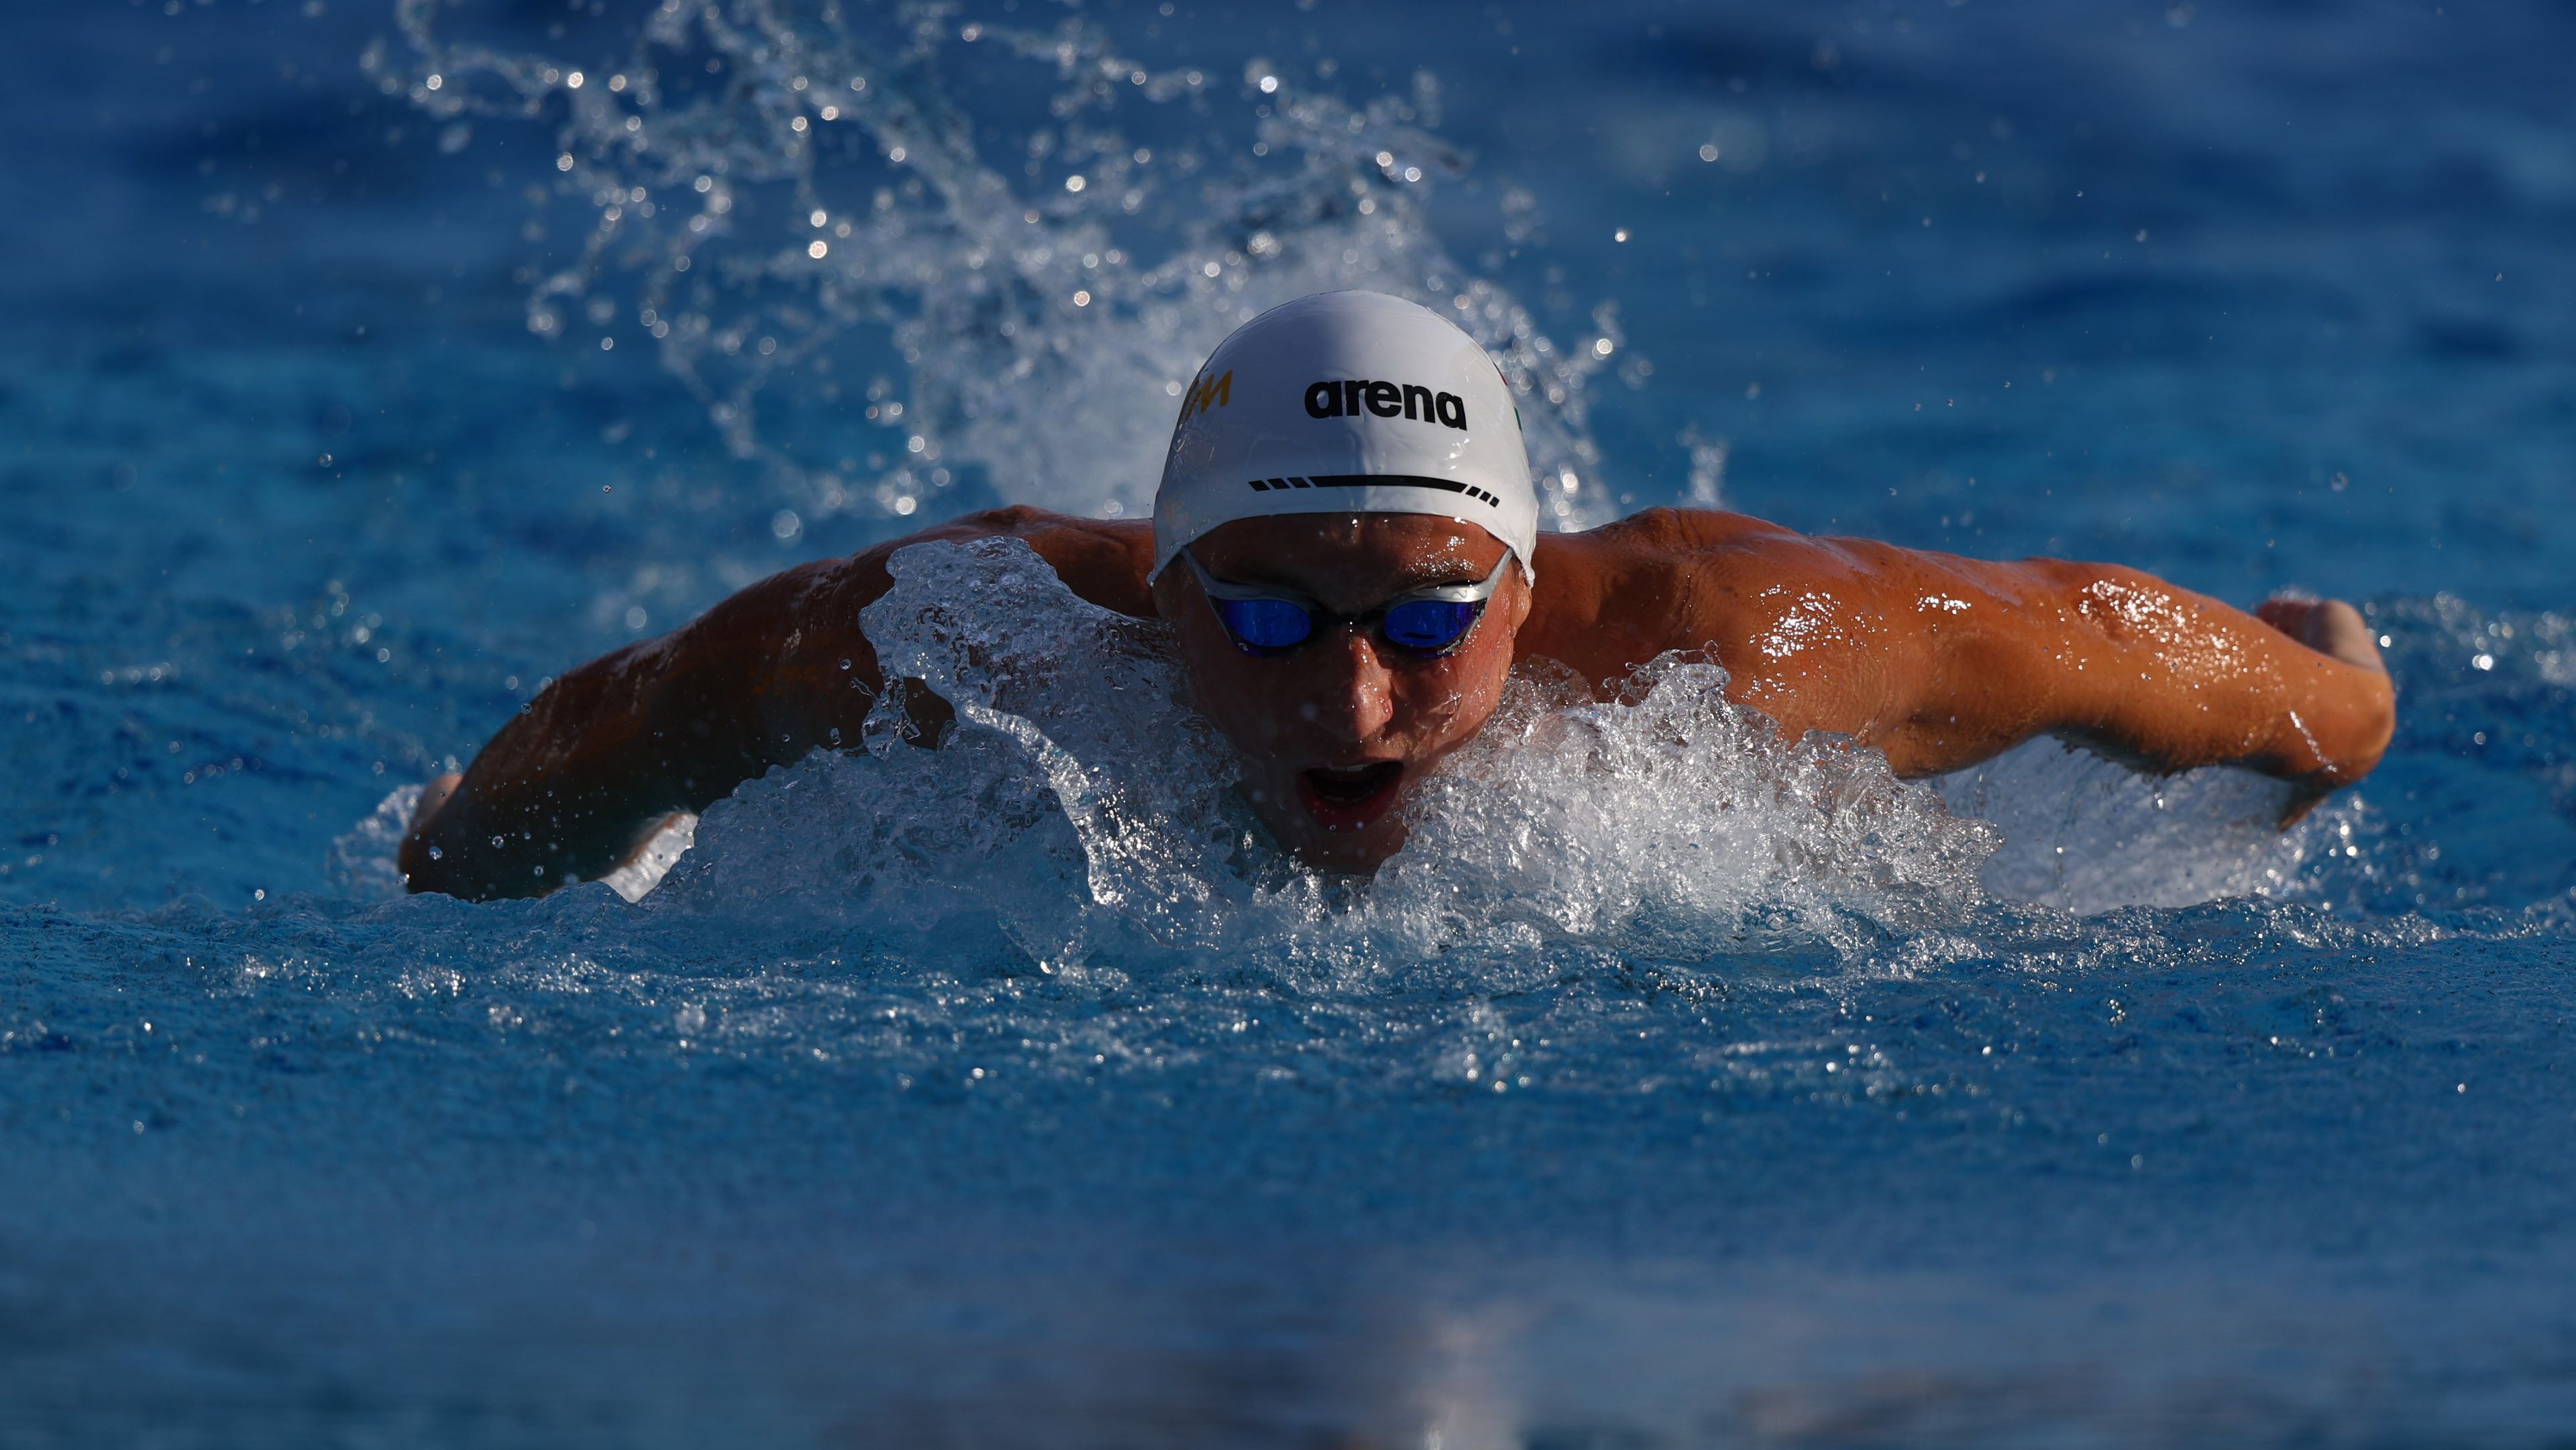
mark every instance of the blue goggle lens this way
{"type": "Point", "coordinates": [1428, 626]}
{"type": "Point", "coordinates": [1265, 623]}
{"type": "Point", "coordinates": [1423, 626]}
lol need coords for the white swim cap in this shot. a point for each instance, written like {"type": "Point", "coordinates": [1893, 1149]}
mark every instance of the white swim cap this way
{"type": "Point", "coordinates": [1347, 402]}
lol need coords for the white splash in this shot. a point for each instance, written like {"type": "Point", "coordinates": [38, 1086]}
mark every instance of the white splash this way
{"type": "Point", "coordinates": [362, 862]}
{"type": "Point", "coordinates": [1082, 811]}
{"type": "Point", "coordinates": [1084, 814]}
{"type": "Point", "coordinates": [635, 877]}
{"type": "Point", "coordinates": [2085, 835]}
{"type": "Point", "coordinates": [784, 200]}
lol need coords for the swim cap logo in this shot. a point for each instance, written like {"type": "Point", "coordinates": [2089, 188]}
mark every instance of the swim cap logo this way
{"type": "Point", "coordinates": [1344, 398]}
{"type": "Point", "coordinates": [1205, 395]}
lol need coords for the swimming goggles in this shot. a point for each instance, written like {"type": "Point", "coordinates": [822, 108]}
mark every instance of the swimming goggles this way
{"type": "Point", "coordinates": [1423, 622]}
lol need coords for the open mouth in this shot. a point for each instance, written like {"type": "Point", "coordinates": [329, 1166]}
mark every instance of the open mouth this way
{"type": "Point", "coordinates": [1347, 797]}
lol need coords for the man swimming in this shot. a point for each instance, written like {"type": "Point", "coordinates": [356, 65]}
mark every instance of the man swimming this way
{"type": "Point", "coordinates": [1346, 545]}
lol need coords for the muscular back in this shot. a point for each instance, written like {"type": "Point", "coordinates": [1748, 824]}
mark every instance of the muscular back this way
{"type": "Point", "coordinates": [1937, 660]}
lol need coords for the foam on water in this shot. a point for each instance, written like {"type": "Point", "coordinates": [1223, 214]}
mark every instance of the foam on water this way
{"type": "Point", "coordinates": [2083, 834]}
{"type": "Point", "coordinates": [1082, 818]}
{"type": "Point", "coordinates": [1084, 808]}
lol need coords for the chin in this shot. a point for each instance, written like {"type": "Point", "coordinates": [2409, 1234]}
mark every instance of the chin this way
{"type": "Point", "coordinates": [1339, 819]}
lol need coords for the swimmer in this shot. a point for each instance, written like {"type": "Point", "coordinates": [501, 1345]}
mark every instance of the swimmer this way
{"type": "Point", "coordinates": [1346, 545]}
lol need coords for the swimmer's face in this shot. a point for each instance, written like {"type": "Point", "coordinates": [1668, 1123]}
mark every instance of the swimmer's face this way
{"type": "Point", "coordinates": [1333, 731]}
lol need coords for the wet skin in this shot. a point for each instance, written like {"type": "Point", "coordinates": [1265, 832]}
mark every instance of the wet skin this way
{"type": "Point", "coordinates": [1936, 660]}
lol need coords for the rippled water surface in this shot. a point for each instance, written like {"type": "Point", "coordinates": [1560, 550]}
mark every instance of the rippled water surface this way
{"type": "Point", "coordinates": [1673, 1088]}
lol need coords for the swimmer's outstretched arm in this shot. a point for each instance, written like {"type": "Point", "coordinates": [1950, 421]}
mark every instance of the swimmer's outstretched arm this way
{"type": "Point", "coordinates": [1943, 662]}
{"type": "Point", "coordinates": [579, 779]}
{"type": "Point", "coordinates": [2144, 672]}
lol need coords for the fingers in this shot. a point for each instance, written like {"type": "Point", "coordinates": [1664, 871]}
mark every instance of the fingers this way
{"type": "Point", "coordinates": [2328, 626]}
{"type": "Point", "coordinates": [2337, 629]}
{"type": "Point", "coordinates": [2285, 614]}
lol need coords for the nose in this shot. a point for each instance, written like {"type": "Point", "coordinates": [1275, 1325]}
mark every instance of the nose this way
{"type": "Point", "coordinates": [1349, 694]}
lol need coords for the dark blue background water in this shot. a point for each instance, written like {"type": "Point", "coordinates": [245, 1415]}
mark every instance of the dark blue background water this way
{"type": "Point", "coordinates": [2253, 296]}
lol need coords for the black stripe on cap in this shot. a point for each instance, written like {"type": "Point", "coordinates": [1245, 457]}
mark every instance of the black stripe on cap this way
{"type": "Point", "coordinates": [1364, 480]}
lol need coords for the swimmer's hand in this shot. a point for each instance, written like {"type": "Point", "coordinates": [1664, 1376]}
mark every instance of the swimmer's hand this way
{"type": "Point", "coordinates": [2336, 630]}
{"type": "Point", "coordinates": [2329, 626]}
{"type": "Point", "coordinates": [436, 794]}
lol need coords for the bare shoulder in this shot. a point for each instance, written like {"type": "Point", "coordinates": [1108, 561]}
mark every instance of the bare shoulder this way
{"type": "Point", "coordinates": [1681, 541]}
{"type": "Point", "coordinates": [1661, 534]}
{"type": "Point", "coordinates": [1612, 598]}
{"type": "Point", "coordinates": [793, 640]}
{"type": "Point", "coordinates": [1705, 555]}
{"type": "Point", "coordinates": [1103, 561]}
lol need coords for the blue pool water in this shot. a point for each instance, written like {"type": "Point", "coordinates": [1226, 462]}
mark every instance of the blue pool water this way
{"type": "Point", "coordinates": [1672, 1089]}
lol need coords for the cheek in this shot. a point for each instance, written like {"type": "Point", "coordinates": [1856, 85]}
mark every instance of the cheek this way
{"type": "Point", "coordinates": [1447, 707]}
